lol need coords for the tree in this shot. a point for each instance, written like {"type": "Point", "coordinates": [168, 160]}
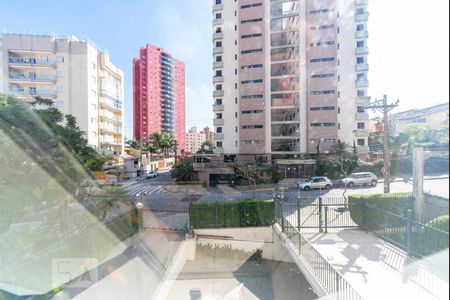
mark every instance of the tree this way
{"type": "Point", "coordinates": [251, 174]}
{"type": "Point", "coordinates": [344, 159]}
{"type": "Point", "coordinates": [167, 143]}
{"type": "Point", "coordinates": [107, 198]}
{"type": "Point", "coordinates": [182, 172]}
{"type": "Point", "coordinates": [206, 147]}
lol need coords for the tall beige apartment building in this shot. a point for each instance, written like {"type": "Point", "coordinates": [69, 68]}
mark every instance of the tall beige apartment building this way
{"type": "Point", "coordinates": [75, 74]}
{"type": "Point", "coordinates": [290, 75]}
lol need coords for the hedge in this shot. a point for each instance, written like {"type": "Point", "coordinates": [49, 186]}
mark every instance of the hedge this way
{"type": "Point", "coordinates": [232, 214]}
{"type": "Point", "coordinates": [379, 209]}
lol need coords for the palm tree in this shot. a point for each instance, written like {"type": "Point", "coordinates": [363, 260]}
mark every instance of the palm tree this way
{"type": "Point", "coordinates": [167, 143]}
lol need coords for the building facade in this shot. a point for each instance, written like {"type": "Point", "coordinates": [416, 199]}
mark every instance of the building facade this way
{"type": "Point", "coordinates": [73, 73]}
{"type": "Point", "coordinates": [289, 76]}
{"type": "Point", "coordinates": [194, 140]}
{"type": "Point", "coordinates": [159, 95]}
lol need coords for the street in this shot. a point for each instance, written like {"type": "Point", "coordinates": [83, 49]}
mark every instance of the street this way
{"type": "Point", "coordinates": [163, 195]}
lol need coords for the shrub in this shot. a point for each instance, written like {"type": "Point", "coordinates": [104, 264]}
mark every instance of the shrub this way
{"type": "Point", "coordinates": [232, 214]}
{"type": "Point", "coordinates": [183, 172]}
{"type": "Point", "coordinates": [380, 209]}
{"type": "Point", "coordinates": [440, 223]}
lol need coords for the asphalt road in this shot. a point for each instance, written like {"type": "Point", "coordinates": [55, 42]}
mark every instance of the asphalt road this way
{"type": "Point", "coordinates": [161, 194]}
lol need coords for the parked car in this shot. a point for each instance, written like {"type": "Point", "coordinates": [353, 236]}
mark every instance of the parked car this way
{"type": "Point", "coordinates": [152, 174]}
{"type": "Point", "coordinates": [360, 179]}
{"type": "Point", "coordinates": [321, 182]}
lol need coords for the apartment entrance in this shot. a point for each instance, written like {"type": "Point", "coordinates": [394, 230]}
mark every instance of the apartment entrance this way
{"type": "Point", "coordinates": [297, 168]}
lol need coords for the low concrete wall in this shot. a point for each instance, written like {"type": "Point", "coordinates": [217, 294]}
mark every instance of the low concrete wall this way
{"type": "Point", "coordinates": [248, 239]}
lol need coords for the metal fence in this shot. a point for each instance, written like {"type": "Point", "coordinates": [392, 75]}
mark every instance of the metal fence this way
{"type": "Point", "coordinates": [390, 218]}
{"type": "Point", "coordinates": [330, 279]}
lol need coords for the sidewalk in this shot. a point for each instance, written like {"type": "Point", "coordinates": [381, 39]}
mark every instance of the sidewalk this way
{"type": "Point", "coordinates": [378, 270]}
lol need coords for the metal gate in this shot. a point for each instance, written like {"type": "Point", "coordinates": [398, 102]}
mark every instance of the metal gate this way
{"type": "Point", "coordinates": [319, 213]}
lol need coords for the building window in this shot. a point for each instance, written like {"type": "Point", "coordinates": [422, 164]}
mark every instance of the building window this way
{"type": "Point", "coordinates": [360, 76]}
{"type": "Point", "coordinates": [325, 92]}
{"type": "Point", "coordinates": [253, 35]}
{"type": "Point", "coordinates": [219, 144]}
{"type": "Point", "coordinates": [251, 66]}
{"type": "Point", "coordinates": [251, 81]}
{"type": "Point", "coordinates": [253, 127]}
{"type": "Point", "coordinates": [218, 16]}
{"type": "Point", "coordinates": [330, 75]}
{"type": "Point", "coordinates": [251, 51]}
{"type": "Point", "coordinates": [247, 112]}
{"type": "Point", "coordinates": [360, 27]}
{"type": "Point", "coordinates": [251, 5]}
{"type": "Point", "coordinates": [324, 59]}
{"type": "Point", "coordinates": [219, 130]}
{"type": "Point", "coordinates": [251, 21]}
{"type": "Point", "coordinates": [327, 43]}
{"type": "Point", "coordinates": [361, 142]}
{"type": "Point", "coordinates": [319, 11]}
{"type": "Point", "coordinates": [360, 60]}
{"type": "Point", "coordinates": [252, 97]}
{"type": "Point", "coordinates": [360, 44]}
{"type": "Point", "coordinates": [218, 58]}
{"type": "Point", "coordinates": [360, 11]}
{"type": "Point", "coordinates": [361, 125]}
{"type": "Point", "coordinates": [361, 93]}
{"type": "Point", "coordinates": [360, 109]}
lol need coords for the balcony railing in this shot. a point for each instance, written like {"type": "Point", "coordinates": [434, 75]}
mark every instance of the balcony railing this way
{"type": "Point", "coordinates": [32, 77]}
{"type": "Point", "coordinates": [217, 79]}
{"type": "Point", "coordinates": [362, 50]}
{"type": "Point", "coordinates": [217, 22]}
{"type": "Point", "coordinates": [218, 64]}
{"type": "Point", "coordinates": [33, 92]}
{"type": "Point", "coordinates": [362, 83]}
{"type": "Point", "coordinates": [218, 35]}
{"type": "Point", "coordinates": [362, 34]}
{"type": "Point", "coordinates": [30, 61]}
{"type": "Point", "coordinates": [219, 136]}
{"type": "Point", "coordinates": [362, 116]}
{"type": "Point", "coordinates": [218, 93]}
{"type": "Point", "coordinates": [362, 2]}
{"type": "Point", "coordinates": [217, 7]}
{"type": "Point", "coordinates": [218, 122]}
{"type": "Point", "coordinates": [111, 130]}
{"type": "Point", "coordinates": [362, 17]}
{"type": "Point", "coordinates": [111, 118]}
{"type": "Point", "coordinates": [217, 50]}
{"type": "Point", "coordinates": [218, 107]}
{"type": "Point", "coordinates": [362, 67]}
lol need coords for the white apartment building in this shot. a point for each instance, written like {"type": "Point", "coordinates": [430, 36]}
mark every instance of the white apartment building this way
{"type": "Point", "coordinates": [78, 77]}
{"type": "Point", "coordinates": [289, 75]}
{"type": "Point", "coordinates": [194, 140]}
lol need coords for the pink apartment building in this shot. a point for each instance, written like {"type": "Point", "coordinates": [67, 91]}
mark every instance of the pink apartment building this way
{"type": "Point", "coordinates": [159, 95]}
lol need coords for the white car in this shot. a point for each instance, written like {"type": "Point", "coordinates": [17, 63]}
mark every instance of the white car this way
{"type": "Point", "coordinates": [320, 182]}
{"type": "Point", "coordinates": [360, 179]}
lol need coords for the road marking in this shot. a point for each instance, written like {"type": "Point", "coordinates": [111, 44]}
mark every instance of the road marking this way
{"type": "Point", "coordinates": [146, 189]}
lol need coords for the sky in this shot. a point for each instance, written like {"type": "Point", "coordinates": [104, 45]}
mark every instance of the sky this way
{"type": "Point", "coordinates": [408, 43]}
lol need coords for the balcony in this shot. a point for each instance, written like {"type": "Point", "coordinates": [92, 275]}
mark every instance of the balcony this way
{"type": "Point", "coordinates": [31, 77]}
{"type": "Point", "coordinates": [219, 93]}
{"type": "Point", "coordinates": [362, 50]}
{"type": "Point", "coordinates": [31, 62]}
{"type": "Point", "coordinates": [110, 106]}
{"type": "Point", "coordinates": [362, 2]}
{"type": "Point", "coordinates": [218, 65]}
{"type": "Point", "coordinates": [362, 83]}
{"type": "Point", "coordinates": [218, 122]}
{"type": "Point", "coordinates": [31, 93]}
{"type": "Point", "coordinates": [362, 116]}
{"type": "Point", "coordinates": [218, 36]}
{"type": "Point", "coordinates": [362, 67]}
{"type": "Point", "coordinates": [362, 34]}
{"type": "Point", "coordinates": [218, 107]}
{"type": "Point", "coordinates": [217, 22]}
{"type": "Point", "coordinates": [217, 7]}
{"type": "Point", "coordinates": [217, 50]}
{"type": "Point", "coordinates": [111, 130]}
{"type": "Point", "coordinates": [219, 150]}
{"type": "Point", "coordinates": [217, 79]}
{"type": "Point", "coordinates": [362, 17]}
{"type": "Point", "coordinates": [219, 136]}
{"type": "Point", "coordinates": [111, 118]}
{"type": "Point", "coordinates": [363, 100]}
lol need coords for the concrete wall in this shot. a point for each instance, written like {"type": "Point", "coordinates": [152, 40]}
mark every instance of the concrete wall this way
{"type": "Point", "coordinates": [247, 239]}
{"type": "Point", "coordinates": [434, 207]}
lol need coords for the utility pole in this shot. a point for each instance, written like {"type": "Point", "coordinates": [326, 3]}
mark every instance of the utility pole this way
{"type": "Point", "coordinates": [383, 107]}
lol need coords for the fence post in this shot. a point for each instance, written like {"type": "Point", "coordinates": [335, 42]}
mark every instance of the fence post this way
{"type": "Point", "coordinates": [320, 214]}
{"type": "Point", "coordinates": [282, 216]}
{"type": "Point", "coordinates": [298, 214]}
{"type": "Point", "coordinates": [363, 213]}
{"type": "Point", "coordinates": [217, 215]}
{"type": "Point", "coordinates": [326, 219]}
{"type": "Point", "coordinates": [408, 231]}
